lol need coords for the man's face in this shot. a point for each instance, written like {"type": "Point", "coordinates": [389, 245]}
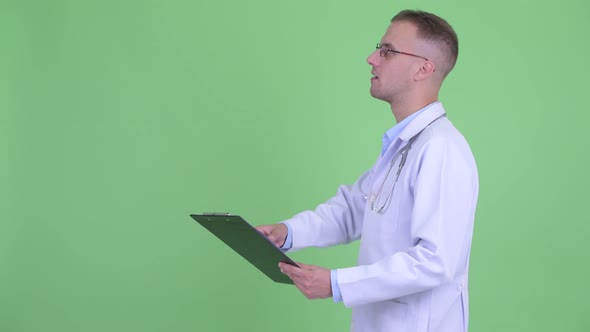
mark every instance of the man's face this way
{"type": "Point", "coordinates": [393, 73]}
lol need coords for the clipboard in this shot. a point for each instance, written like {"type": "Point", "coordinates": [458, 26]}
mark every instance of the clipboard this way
{"type": "Point", "coordinates": [248, 242]}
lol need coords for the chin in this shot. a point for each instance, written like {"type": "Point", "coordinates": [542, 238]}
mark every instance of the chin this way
{"type": "Point", "coordinates": [379, 96]}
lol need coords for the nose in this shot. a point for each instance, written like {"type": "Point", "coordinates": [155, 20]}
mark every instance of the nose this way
{"type": "Point", "coordinates": [374, 58]}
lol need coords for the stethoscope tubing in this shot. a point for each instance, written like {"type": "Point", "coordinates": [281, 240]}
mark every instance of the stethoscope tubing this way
{"type": "Point", "coordinates": [404, 151]}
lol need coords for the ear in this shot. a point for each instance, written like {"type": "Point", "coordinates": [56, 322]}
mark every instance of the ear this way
{"type": "Point", "coordinates": [424, 71]}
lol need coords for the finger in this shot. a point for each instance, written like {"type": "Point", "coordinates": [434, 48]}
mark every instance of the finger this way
{"type": "Point", "coordinates": [285, 268]}
{"type": "Point", "coordinates": [270, 235]}
{"type": "Point", "coordinates": [304, 289]}
{"type": "Point", "coordinates": [301, 289]}
{"type": "Point", "coordinates": [263, 229]}
{"type": "Point", "coordinates": [277, 238]}
{"type": "Point", "coordinates": [305, 266]}
{"type": "Point", "coordinates": [276, 241]}
{"type": "Point", "coordinates": [290, 270]}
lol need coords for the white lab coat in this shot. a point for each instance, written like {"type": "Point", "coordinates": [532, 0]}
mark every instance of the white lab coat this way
{"type": "Point", "coordinates": [414, 255]}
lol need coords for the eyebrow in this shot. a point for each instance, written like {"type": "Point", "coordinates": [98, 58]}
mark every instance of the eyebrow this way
{"type": "Point", "coordinates": [388, 45]}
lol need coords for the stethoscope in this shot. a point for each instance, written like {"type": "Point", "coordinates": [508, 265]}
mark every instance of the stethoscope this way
{"type": "Point", "coordinates": [402, 153]}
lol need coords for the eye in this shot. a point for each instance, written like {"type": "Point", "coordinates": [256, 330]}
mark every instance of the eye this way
{"type": "Point", "coordinates": [385, 51]}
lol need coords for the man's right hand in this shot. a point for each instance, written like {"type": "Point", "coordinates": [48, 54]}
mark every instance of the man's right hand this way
{"type": "Point", "coordinates": [276, 233]}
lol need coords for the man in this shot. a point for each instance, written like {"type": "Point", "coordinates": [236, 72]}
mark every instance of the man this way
{"type": "Point", "coordinates": [413, 210]}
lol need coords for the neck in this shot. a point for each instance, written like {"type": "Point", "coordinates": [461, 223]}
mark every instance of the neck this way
{"type": "Point", "coordinates": [404, 108]}
{"type": "Point", "coordinates": [400, 112]}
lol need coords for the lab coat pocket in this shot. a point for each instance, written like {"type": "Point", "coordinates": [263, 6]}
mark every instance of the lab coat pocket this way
{"type": "Point", "coordinates": [385, 316]}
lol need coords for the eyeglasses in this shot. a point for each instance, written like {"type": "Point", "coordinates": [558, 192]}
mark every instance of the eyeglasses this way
{"type": "Point", "coordinates": [384, 50]}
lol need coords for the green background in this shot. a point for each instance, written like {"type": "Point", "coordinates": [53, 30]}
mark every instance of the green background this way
{"type": "Point", "coordinates": [120, 118]}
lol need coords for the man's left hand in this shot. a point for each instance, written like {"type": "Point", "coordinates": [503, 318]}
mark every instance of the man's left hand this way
{"type": "Point", "coordinates": [313, 281]}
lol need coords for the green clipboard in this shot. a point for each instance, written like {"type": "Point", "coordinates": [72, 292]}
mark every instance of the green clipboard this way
{"type": "Point", "coordinates": [248, 242]}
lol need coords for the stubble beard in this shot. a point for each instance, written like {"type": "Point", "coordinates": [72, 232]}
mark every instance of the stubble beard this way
{"type": "Point", "coordinates": [375, 93]}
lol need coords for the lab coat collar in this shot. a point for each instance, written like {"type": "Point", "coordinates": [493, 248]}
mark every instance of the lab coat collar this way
{"type": "Point", "coordinates": [423, 119]}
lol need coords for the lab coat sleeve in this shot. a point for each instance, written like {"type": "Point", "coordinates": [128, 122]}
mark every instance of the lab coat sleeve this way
{"type": "Point", "coordinates": [444, 186]}
{"type": "Point", "coordinates": [337, 221]}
